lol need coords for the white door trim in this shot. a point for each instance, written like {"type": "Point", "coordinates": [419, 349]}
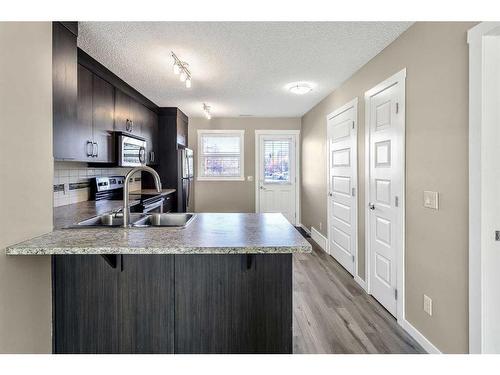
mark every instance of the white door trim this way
{"type": "Point", "coordinates": [354, 105]}
{"type": "Point", "coordinates": [296, 135]}
{"type": "Point", "coordinates": [479, 238]}
{"type": "Point", "coordinates": [396, 78]}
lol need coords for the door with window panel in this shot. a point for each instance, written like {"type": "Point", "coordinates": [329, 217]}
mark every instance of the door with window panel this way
{"type": "Point", "coordinates": [277, 175]}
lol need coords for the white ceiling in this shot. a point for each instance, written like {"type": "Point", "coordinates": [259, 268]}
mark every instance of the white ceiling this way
{"type": "Point", "coordinates": [238, 68]}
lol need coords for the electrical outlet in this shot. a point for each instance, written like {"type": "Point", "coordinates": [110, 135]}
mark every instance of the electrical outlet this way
{"type": "Point", "coordinates": [428, 305]}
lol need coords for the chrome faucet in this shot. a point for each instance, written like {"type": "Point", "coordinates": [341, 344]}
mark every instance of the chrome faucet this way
{"type": "Point", "coordinates": [126, 189]}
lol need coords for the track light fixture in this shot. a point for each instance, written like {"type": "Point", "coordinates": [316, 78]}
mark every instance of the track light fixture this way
{"type": "Point", "coordinates": [182, 69]}
{"type": "Point", "coordinates": [206, 109]}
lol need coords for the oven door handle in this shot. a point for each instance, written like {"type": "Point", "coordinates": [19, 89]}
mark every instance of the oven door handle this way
{"type": "Point", "coordinates": [154, 205]}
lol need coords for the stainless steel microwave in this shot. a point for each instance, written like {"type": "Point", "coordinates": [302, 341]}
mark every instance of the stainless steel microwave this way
{"type": "Point", "coordinates": [131, 150]}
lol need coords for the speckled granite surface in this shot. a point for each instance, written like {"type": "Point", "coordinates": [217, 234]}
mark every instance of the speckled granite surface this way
{"type": "Point", "coordinates": [209, 233]}
{"type": "Point", "coordinates": [153, 192]}
{"type": "Point", "coordinates": [73, 213]}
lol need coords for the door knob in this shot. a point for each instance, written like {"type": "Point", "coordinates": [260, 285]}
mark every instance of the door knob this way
{"type": "Point", "coordinates": [262, 188]}
{"type": "Point", "coordinates": [371, 206]}
{"type": "Point", "coordinates": [330, 194]}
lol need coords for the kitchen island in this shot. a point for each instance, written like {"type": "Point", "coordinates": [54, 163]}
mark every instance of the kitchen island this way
{"type": "Point", "coordinates": [223, 284]}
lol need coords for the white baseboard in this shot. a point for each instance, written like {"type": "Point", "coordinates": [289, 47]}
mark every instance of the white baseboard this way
{"type": "Point", "coordinates": [319, 239]}
{"type": "Point", "coordinates": [361, 282]}
{"type": "Point", "coordinates": [419, 337]}
{"type": "Point", "coordinates": [305, 228]}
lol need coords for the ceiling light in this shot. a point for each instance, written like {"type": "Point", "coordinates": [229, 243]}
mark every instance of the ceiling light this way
{"type": "Point", "coordinates": [206, 109]}
{"type": "Point", "coordinates": [177, 69]}
{"type": "Point", "coordinates": [300, 88]}
{"type": "Point", "coordinates": [182, 68]}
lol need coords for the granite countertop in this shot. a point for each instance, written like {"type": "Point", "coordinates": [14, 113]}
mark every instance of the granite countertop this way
{"type": "Point", "coordinates": [152, 192]}
{"type": "Point", "coordinates": [73, 213]}
{"type": "Point", "coordinates": [208, 233]}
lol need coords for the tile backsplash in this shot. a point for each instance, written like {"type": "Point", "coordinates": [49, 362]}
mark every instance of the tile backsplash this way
{"type": "Point", "coordinates": [71, 181]}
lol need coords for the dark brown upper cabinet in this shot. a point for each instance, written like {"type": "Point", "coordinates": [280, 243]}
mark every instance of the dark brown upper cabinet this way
{"type": "Point", "coordinates": [64, 92]}
{"type": "Point", "coordinates": [127, 116]}
{"type": "Point", "coordinates": [103, 100]}
{"type": "Point", "coordinates": [137, 114]}
{"type": "Point", "coordinates": [80, 138]}
{"type": "Point", "coordinates": [90, 102]}
{"type": "Point", "coordinates": [133, 117]}
{"type": "Point", "coordinates": [182, 129]}
{"type": "Point", "coordinates": [93, 138]}
{"type": "Point", "coordinates": [149, 131]}
{"type": "Point", "coordinates": [174, 123]}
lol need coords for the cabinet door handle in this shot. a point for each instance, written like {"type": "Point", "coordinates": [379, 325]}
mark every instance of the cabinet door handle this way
{"type": "Point", "coordinates": [127, 125]}
{"type": "Point", "coordinates": [91, 150]}
{"type": "Point", "coordinates": [96, 149]}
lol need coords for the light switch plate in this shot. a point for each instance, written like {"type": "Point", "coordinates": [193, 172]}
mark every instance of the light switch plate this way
{"type": "Point", "coordinates": [428, 305]}
{"type": "Point", "coordinates": [431, 199]}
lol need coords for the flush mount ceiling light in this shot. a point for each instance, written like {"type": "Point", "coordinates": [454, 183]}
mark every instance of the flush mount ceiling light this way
{"type": "Point", "coordinates": [206, 109]}
{"type": "Point", "coordinates": [299, 88]}
{"type": "Point", "coordinates": [182, 69]}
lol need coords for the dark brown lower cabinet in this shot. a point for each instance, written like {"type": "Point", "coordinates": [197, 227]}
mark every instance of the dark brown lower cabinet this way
{"type": "Point", "coordinates": [146, 304]}
{"type": "Point", "coordinates": [85, 299]}
{"type": "Point", "coordinates": [172, 303]}
{"type": "Point", "coordinates": [233, 303]}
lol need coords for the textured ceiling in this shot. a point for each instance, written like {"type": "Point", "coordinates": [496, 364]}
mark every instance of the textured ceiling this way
{"type": "Point", "coordinates": [238, 68]}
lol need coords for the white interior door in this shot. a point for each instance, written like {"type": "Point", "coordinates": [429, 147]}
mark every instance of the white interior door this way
{"type": "Point", "coordinates": [342, 185]}
{"type": "Point", "coordinates": [385, 127]}
{"type": "Point", "coordinates": [277, 175]}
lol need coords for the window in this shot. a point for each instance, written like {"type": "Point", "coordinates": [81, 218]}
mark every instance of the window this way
{"type": "Point", "coordinates": [220, 155]}
{"type": "Point", "coordinates": [277, 160]}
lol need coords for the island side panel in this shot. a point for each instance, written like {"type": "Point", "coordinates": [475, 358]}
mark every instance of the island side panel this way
{"type": "Point", "coordinates": [85, 296]}
{"type": "Point", "coordinates": [146, 304]}
{"type": "Point", "coordinates": [233, 303]}
{"type": "Point", "coordinates": [123, 305]}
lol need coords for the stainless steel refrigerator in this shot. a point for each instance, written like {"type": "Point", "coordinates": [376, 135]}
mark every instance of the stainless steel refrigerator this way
{"type": "Point", "coordinates": [185, 192]}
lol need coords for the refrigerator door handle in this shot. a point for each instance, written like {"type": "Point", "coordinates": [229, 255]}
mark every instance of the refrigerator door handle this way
{"type": "Point", "coordinates": [188, 194]}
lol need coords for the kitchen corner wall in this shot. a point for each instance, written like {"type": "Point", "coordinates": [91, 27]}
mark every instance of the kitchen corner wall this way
{"type": "Point", "coordinates": [436, 58]}
{"type": "Point", "coordinates": [26, 188]}
{"type": "Point", "coordinates": [232, 196]}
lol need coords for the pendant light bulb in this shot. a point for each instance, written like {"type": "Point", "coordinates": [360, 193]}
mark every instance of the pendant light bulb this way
{"type": "Point", "coordinates": [188, 83]}
{"type": "Point", "coordinates": [176, 69]}
{"type": "Point", "coordinates": [183, 76]}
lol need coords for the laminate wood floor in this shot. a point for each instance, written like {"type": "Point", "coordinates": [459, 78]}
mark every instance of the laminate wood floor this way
{"type": "Point", "coordinates": [332, 314]}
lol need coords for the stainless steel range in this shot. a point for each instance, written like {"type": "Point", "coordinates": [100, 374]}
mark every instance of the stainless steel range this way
{"type": "Point", "coordinates": [111, 188]}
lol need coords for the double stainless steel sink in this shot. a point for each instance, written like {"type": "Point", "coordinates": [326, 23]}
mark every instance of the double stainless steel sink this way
{"type": "Point", "coordinates": [138, 220]}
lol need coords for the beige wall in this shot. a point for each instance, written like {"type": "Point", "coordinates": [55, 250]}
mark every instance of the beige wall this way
{"type": "Point", "coordinates": [232, 196]}
{"type": "Point", "coordinates": [436, 58]}
{"type": "Point", "coordinates": [26, 187]}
